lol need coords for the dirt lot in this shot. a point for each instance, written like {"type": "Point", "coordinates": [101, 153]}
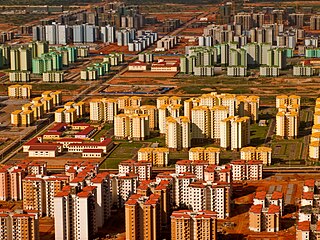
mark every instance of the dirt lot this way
{"type": "Point", "coordinates": [243, 199]}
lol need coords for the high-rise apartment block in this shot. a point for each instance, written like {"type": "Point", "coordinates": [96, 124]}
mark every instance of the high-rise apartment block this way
{"type": "Point", "coordinates": [19, 225]}
{"type": "Point", "coordinates": [200, 123]}
{"type": "Point", "coordinates": [103, 109]}
{"type": "Point", "coordinates": [178, 133]}
{"type": "Point", "coordinates": [287, 124]}
{"type": "Point", "coordinates": [75, 213]}
{"type": "Point", "coordinates": [246, 170]}
{"type": "Point", "coordinates": [234, 132]}
{"type": "Point", "coordinates": [248, 106]}
{"type": "Point", "coordinates": [123, 186]}
{"type": "Point", "coordinates": [21, 59]}
{"type": "Point", "coordinates": [264, 219]}
{"type": "Point", "coordinates": [135, 126]}
{"type": "Point", "coordinates": [143, 217]}
{"type": "Point", "coordinates": [187, 224]}
{"type": "Point", "coordinates": [142, 168]}
{"type": "Point", "coordinates": [39, 192]}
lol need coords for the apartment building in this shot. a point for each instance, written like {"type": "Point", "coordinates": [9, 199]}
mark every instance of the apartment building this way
{"type": "Point", "coordinates": [210, 196]}
{"type": "Point", "coordinates": [217, 114]}
{"type": "Point", "coordinates": [189, 104]}
{"type": "Point", "coordinates": [11, 182]}
{"type": "Point", "coordinates": [75, 213]}
{"type": "Point", "coordinates": [210, 154]}
{"type": "Point", "coordinates": [39, 192]}
{"type": "Point", "coordinates": [157, 156]}
{"type": "Point", "coordinates": [35, 109]}
{"type": "Point", "coordinates": [142, 168]}
{"type": "Point", "coordinates": [185, 222]}
{"type": "Point", "coordinates": [248, 106]}
{"type": "Point", "coordinates": [19, 91]}
{"type": "Point", "coordinates": [123, 186]}
{"type": "Point", "coordinates": [127, 101]}
{"type": "Point", "coordinates": [263, 154]}
{"type": "Point", "coordinates": [264, 219]}
{"type": "Point", "coordinates": [287, 124]}
{"type": "Point", "coordinates": [143, 217]}
{"type": "Point", "coordinates": [152, 112]}
{"type": "Point", "coordinates": [19, 225]}
{"type": "Point", "coordinates": [103, 109]}
{"type": "Point", "coordinates": [135, 126]}
{"type": "Point", "coordinates": [196, 167]}
{"type": "Point", "coordinates": [200, 123]}
{"type": "Point", "coordinates": [103, 197]}
{"type": "Point", "coordinates": [314, 150]}
{"type": "Point", "coordinates": [178, 133]}
{"type": "Point", "coordinates": [284, 100]}
{"type": "Point", "coordinates": [234, 132]}
{"type": "Point", "coordinates": [246, 170]}
{"type": "Point", "coordinates": [266, 199]}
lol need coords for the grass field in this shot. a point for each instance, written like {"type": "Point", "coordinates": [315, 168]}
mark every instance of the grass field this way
{"type": "Point", "coordinates": [257, 134]}
{"type": "Point", "coordinates": [287, 151]}
{"type": "Point", "coordinates": [123, 151]}
{"type": "Point", "coordinates": [103, 131]}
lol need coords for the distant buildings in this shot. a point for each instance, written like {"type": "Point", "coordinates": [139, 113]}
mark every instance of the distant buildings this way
{"type": "Point", "coordinates": [35, 109]}
{"type": "Point", "coordinates": [287, 119]}
{"type": "Point", "coordinates": [19, 91]}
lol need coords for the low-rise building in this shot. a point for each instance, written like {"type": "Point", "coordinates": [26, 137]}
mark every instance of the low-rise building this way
{"type": "Point", "coordinates": [256, 153]}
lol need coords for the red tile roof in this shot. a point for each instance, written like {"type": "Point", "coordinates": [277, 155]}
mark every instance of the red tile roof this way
{"type": "Point", "coordinates": [273, 209]}
{"type": "Point", "coordinates": [277, 195]}
{"type": "Point", "coordinates": [84, 194]}
{"type": "Point", "coordinates": [309, 182]}
{"type": "Point", "coordinates": [260, 195]}
{"type": "Point", "coordinates": [256, 208]}
{"type": "Point", "coordinates": [304, 226]}
{"type": "Point", "coordinates": [307, 195]}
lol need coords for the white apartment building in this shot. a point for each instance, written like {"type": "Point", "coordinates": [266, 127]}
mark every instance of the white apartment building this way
{"type": "Point", "coordinates": [135, 126]}
{"type": "Point", "coordinates": [178, 134]}
{"type": "Point", "coordinates": [217, 114]}
{"type": "Point", "coordinates": [142, 168]}
{"type": "Point", "coordinates": [103, 109]}
{"type": "Point", "coordinates": [246, 170]}
{"type": "Point", "coordinates": [75, 214]}
{"type": "Point", "coordinates": [123, 186]}
{"type": "Point", "coordinates": [200, 123]}
{"type": "Point", "coordinates": [234, 132]}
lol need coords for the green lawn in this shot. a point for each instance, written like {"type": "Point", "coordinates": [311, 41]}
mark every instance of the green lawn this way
{"type": "Point", "coordinates": [122, 152]}
{"type": "Point", "coordinates": [257, 134]}
{"type": "Point", "coordinates": [103, 131]}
